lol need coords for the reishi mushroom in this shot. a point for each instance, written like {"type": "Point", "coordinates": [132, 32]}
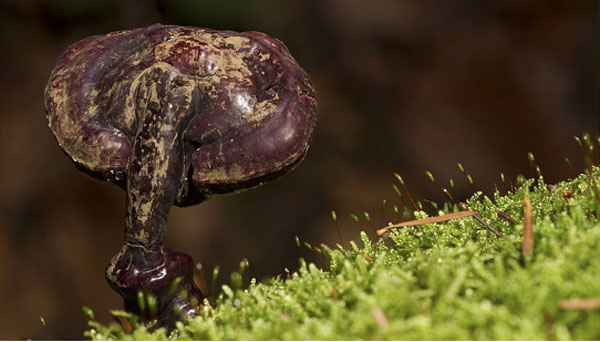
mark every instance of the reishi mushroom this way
{"type": "Point", "coordinates": [172, 115]}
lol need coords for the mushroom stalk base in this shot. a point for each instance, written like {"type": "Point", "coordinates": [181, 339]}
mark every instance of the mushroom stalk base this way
{"type": "Point", "coordinates": [155, 282]}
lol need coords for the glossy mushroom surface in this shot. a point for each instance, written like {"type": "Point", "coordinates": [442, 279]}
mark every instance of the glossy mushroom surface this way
{"type": "Point", "coordinates": [173, 114]}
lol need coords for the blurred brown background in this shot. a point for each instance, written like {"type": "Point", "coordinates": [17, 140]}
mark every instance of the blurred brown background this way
{"type": "Point", "coordinates": [403, 86]}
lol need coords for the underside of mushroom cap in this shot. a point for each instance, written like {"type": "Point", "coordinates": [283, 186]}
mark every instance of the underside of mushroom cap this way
{"type": "Point", "coordinates": [255, 116]}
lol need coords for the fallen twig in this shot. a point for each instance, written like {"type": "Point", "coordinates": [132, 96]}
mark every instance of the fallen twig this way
{"type": "Point", "coordinates": [527, 246]}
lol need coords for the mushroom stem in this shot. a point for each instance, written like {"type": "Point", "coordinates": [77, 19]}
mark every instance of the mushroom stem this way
{"type": "Point", "coordinates": [165, 102]}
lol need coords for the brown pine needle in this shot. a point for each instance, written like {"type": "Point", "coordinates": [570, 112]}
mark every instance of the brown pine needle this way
{"type": "Point", "coordinates": [380, 318]}
{"type": "Point", "coordinates": [580, 304]}
{"type": "Point", "coordinates": [286, 318]}
{"type": "Point", "coordinates": [436, 219]}
{"type": "Point", "coordinates": [527, 246]}
{"type": "Point", "coordinates": [492, 229]}
{"type": "Point", "coordinates": [125, 324]}
{"type": "Point", "coordinates": [334, 295]}
{"type": "Point", "coordinates": [412, 201]}
{"type": "Point", "coordinates": [506, 218]}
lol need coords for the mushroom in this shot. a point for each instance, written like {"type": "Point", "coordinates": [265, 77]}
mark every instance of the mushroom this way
{"type": "Point", "coordinates": [173, 115]}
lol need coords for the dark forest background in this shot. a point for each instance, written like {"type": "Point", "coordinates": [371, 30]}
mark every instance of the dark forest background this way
{"type": "Point", "coordinates": [403, 86]}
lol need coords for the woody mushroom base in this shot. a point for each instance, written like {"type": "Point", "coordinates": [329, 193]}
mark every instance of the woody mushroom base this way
{"type": "Point", "coordinates": [172, 115]}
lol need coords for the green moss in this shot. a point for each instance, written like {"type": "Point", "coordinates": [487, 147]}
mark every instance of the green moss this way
{"type": "Point", "coordinates": [450, 281]}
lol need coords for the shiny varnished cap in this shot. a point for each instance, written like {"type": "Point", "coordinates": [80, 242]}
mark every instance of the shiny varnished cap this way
{"type": "Point", "coordinates": [253, 121]}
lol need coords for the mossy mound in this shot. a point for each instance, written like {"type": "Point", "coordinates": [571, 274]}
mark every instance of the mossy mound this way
{"type": "Point", "coordinates": [450, 281]}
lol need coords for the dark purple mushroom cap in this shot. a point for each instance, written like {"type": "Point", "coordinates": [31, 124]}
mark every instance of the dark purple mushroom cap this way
{"type": "Point", "coordinates": [255, 114]}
